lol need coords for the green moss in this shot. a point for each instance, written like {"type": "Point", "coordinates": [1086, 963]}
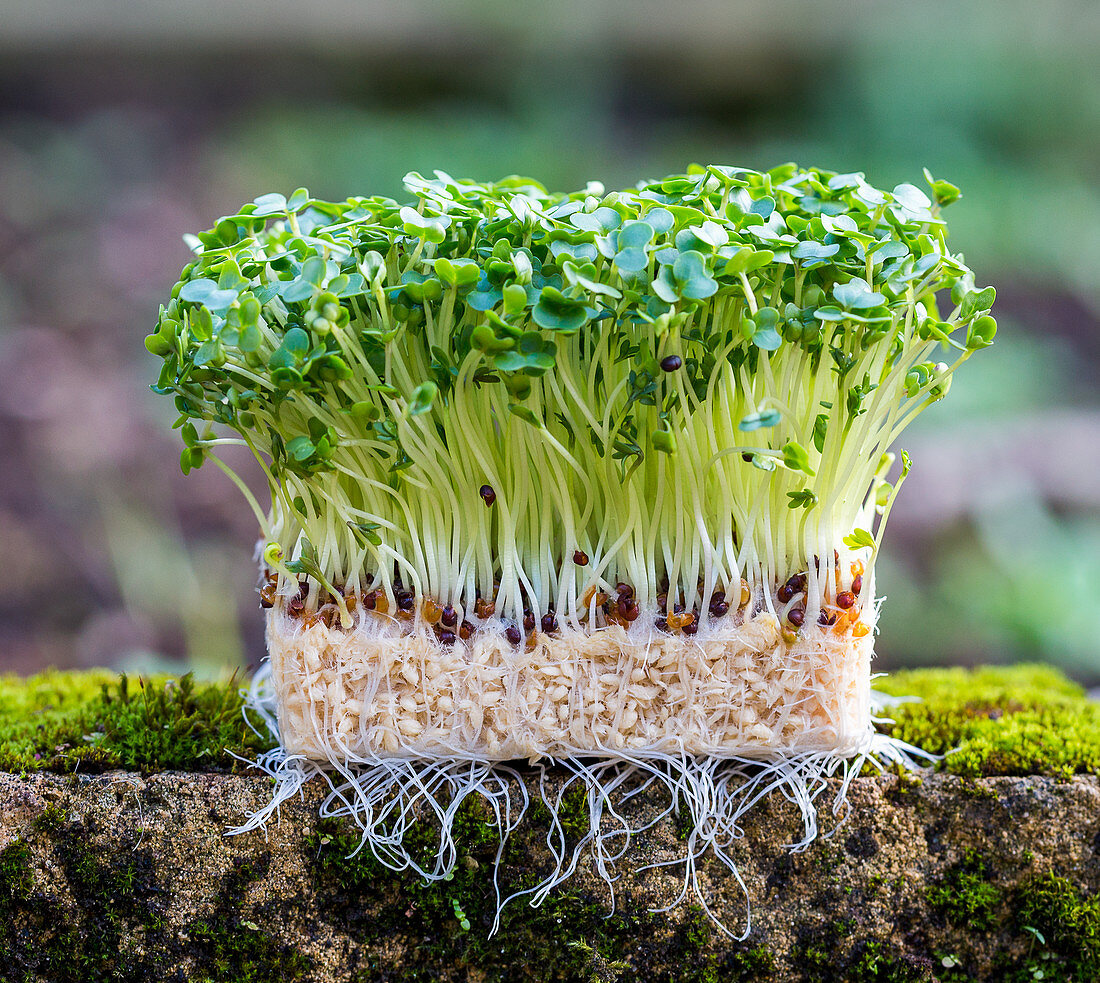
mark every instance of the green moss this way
{"type": "Point", "coordinates": [51, 819]}
{"type": "Point", "coordinates": [878, 960]}
{"type": "Point", "coordinates": [1018, 720]}
{"type": "Point", "coordinates": [233, 948]}
{"type": "Point", "coordinates": [1053, 923]}
{"type": "Point", "coordinates": [96, 720]}
{"type": "Point", "coordinates": [569, 937]}
{"type": "Point", "coordinates": [824, 955]}
{"type": "Point", "coordinates": [115, 929]}
{"type": "Point", "coordinates": [1002, 721]}
{"type": "Point", "coordinates": [1063, 928]}
{"type": "Point", "coordinates": [16, 879]}
{"type": "Point", "coordinates": [966, 895]}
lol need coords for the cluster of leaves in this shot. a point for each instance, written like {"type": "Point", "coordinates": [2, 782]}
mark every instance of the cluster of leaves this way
{"type": "Point", "coordinates": [804, 258]}
{"type": "Point", "coordinates": [97, 721]}
{"type": "Point", "coordinates": [1018, 720]}
{"type": "Point", "coordinates": [381, 358]}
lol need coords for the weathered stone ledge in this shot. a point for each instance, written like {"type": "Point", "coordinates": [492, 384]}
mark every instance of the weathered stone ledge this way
{"type": "Point", "coordinates": [128, 877]}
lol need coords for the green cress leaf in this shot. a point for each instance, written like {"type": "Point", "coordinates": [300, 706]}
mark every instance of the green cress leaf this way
{"type": "Point", "coordinates": [981, 333]}
{"type": "Point", "coordinates": [975, 302]}
{"type": "Point", "coordinates": [422, 398]}
{"type": "Point", "coordinates": [691, 276]}
{"type": "Point", "coordinates": [815, 250]}
{"type": "Point", "coordinates": [525, 414]}
{"type": "Point", "coordinates": [859, 539]}
{"type": "Point", "coordinates": [765, 335]}
{"type": "Point", "coordinates": [856, 295]}
{"type": "Point", "coordinates": [661, 220]}
{"type": "Point", "coordinates": [603, 219]}
{"type": "Point", "coordinates": [796, 458]}
{"type": "Point", "coordinates": [313, 271]}
{"type": "Point", "coordinates": [912, 199]}
{"type": "Point", "coordinates": [366, 531]}
{"type": "Point", "coordinates": [804, 499]}
{"type": "Point", "coordinates": [635, 234]}
{"type": "Point", "coordinates": [556, 312]}
{"type": "Point", "coordinates": [944, 192]}
{"type": "Point", "coordinates": [270, 204]}
{"type": "Point", "coordinates": [664, 441]}
{"type": "Point", "coordinates": [157, 344]}
{"type": "Point", "coordinates": [747, 259]}
{"type": "Point", "coordinates": [485, 339]}
{"type": "Point", "coordinates": [759, 421]}
{"type": "Point", "coordinates": [209, 294]}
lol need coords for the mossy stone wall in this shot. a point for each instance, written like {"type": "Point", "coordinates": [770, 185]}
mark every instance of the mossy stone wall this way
{"type": "Point", "coordinates": [128, 874]}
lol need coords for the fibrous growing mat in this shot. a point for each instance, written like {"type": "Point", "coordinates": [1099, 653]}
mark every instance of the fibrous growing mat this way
{"type": "Point", "coordinates": [387, 689]}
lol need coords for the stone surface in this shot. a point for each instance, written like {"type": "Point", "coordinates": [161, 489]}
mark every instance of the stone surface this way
{"type": "Point", "coordinates": [128, 877]}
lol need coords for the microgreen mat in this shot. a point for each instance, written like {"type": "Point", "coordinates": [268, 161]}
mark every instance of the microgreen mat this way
{"type": "Point", "coordinates": [689, 382]}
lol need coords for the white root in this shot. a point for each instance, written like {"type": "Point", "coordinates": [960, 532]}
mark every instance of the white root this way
{"type": "Point", "coordinates": [716, 733]}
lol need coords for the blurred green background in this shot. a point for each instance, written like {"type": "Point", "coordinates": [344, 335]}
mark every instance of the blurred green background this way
{"type": "Point", "coordinates": [123, 126]}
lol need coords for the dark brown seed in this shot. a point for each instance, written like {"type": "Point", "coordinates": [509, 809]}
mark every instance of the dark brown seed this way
{"type": "Point", "coordinates": [857, 583]}
{"type": "Point", "coordinates": [528, 622]}
{"type": "Point", "coordinates": [625, 590]}
{"type": "Point", "coordinates": [631, 611]}
{"type": "Point", "coordinates": [677, 608]}
{"type": "Point", "coordinates": [296, 605]}
{"type": "Point", "coordinates": [513, 634]}
{"type": "Point", "coordinates": [798, 582]}
{"type": "Point", "coordinates": [796, 616]}
{"type": "Point", "coordinates": [449, 617]}
{"type": "Point", "coordinates": [662, 602]}
{"type": "Point", "coordinates": [691, 629]}
{"type": "Point", "coordinates": [747, 458]}
{"type": "Point", "coordinates": [549, 622]}
{"type": "Point", "coordinates": [446, 638]}
{"type": "Point", "coordinates": [488, 496]}
{"type": "Point", "coordinates": [827, 618]}
{"type": "Point", "coordinates": [404, 601]}
{"type": "Point", "coordinates": [670, 363]}
{"type": "Point", "coordinates": [785, 593]}
{"type": "Point", "coordinates": [718, 595]}
{"type": "Point", "coordinates": [267, 594]}
{"type": "Point", "coordinates": [368, 600]}
{"type": "Point", "coordinates": [719, 608]}
{"type": "Point", "coordinates": [661, 623]}
{"type": "Point", "coordinates": [580, 558]}
{"type": "Point", "coordinates": [845, 599]}
{"type": "Point", "coordinates": [465, 630]}
{"type": "Point", "coordinates": [484, 609]}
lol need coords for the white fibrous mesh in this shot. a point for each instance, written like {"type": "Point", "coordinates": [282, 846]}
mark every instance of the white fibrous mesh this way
{"type": "Point", "coordinates": [388, 688]}
{"type": "Point", "coordinates": [402, 728]}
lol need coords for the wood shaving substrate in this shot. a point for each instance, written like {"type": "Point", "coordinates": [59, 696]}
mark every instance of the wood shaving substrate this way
{"type": "Point", "coordinates": [386, 689]}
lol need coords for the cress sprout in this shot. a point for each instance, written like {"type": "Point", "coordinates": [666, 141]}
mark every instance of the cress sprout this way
{"type": "Point", "coordinates": [592, 479]}
{"type": "Point", "coordinates": [692, 384]}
